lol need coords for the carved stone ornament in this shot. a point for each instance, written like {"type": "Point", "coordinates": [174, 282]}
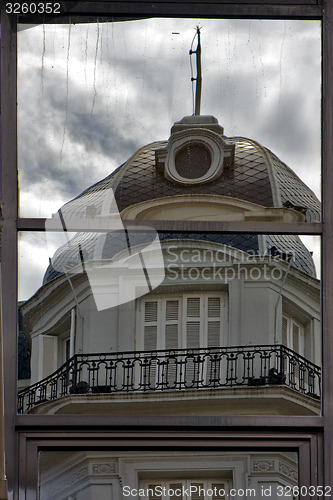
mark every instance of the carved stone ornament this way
{"type": "Point", "coordinates": [104, 468]}
{"type": "Point", "coordinates": [288, 471]}
{"type": "Point", "coordinates": [260, 465]}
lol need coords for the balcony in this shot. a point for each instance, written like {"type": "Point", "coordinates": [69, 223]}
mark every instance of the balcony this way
{"type": "Point", "coordinates": [176, 370]}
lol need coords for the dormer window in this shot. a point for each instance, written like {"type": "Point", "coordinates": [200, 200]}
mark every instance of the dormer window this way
{"type": "Point", "coordinates": [196, 152]}
{"type": "Point", "coordinates": [193, 160]}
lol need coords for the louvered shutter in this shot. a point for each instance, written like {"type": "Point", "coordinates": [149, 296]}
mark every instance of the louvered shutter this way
{"type": "Point", "coordinates": [298, 338]}
{"type": "Point", "coordinates": [172, 324]}
{"type": "Point", "coordinates": [174, 487]}
{"type": "Point", "coordinates": [146, 374]}
{"type": "Point", "coordinates": [302, 341]}
{"type": "Point", "coordinates": [193, 332]}
{"type": "Point", "coordinates": [152, 492]}
{"type": "Point", "coordinates": [188, 322]}
{"type": "Point", "coordinates": [212, 364]}
{"type": "Point", "coordinates": [219, 488]}
{"type": "Point", "coordinates": [193, 322]}
{"type": "Point", "coordinates": [295, 336]}
{"type": "Point", "coordinates": [213, 321]}
{"type": "Point", "coordinates": [196, 494]}
{"type": "Point", "coordinates": [171, 338]}
{"type": "Point", "coordinates": [150, 325]}
{"type": "Point", "coordinates": [285, 340]}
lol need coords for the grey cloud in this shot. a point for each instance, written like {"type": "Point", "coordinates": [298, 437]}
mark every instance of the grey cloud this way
{"type": "Point", "coordinates": [136, 100]}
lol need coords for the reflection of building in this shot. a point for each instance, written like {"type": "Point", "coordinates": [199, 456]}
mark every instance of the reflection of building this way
{"type": "Point", "coordinates": [98, 475]}
{"type": "Point", "coordinates": [233, 328]}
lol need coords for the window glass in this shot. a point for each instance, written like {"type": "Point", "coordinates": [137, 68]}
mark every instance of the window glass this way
{"type": "Point", "coordinates": [107, 306]}
{"type": "Point", "coordinates": [178, 318]}
{"type": "Point", "coordinates": [167, 475]}
{"type": "Point", "coordinates": [90, 96]}
{"type": "Point", "coordinates": [117, 318]}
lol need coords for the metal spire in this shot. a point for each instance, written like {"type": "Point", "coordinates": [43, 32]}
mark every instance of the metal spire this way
{"type": "Point", "coordinates": [198, 79]}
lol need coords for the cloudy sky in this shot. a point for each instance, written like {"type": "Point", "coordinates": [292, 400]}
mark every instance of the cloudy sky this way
{"type": "Point", "coordinates": [91, 94]}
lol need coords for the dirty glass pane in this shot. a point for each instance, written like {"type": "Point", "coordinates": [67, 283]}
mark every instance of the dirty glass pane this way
{"type": "Point", "coordinates": [168, 475]}
{"type": "Point", "coordinates": [90, 96]}
{"type": "Point", "coordinates": [116, 319]}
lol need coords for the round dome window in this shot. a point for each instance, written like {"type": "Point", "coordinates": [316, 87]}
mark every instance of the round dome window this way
{"type": "Point", "coordinates": [193, 160]}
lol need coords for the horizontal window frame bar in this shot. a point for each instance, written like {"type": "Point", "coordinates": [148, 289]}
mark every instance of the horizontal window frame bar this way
{"type": "Point", "coordinates": [101, 423]}
{"type": "Point", "coordinates": [311, 228]}
{"type": "Point", "coordinates": [264, 9]}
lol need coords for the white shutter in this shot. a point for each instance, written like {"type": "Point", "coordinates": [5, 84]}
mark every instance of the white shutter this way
{"type": "Point", "coordinates": [213, 334]}
{"type": "Point", "coordinates": [152, 493]}
{"type": "Point", "coordinates": [172, 324]}
{"type": "Point", "coordinates": [196, 494]}
{"type": "Point", "coordinates": [172, 310]}
{"type": "Point", "coordinates": [150, 325]}
{"type": "Point", "coordinates": [190, 322]}
{"type": "Point", "coordinates": [151, 311]}
{"type": "Point", "coordinates": [175, 487]}
{"type": "Point", "coordinates": [214, 322]}
{"type": "Point", "coordinates": [298, 338]}
{"type": "Point", "coordinates": [193, 307]}
{"type": "Point", "coordinates": [285, 331]}
{"type": "Point", "coordinates": [150, 339]}
{"type": "Point", "coordinates": [171, 335]}
{"type": "Point", "coordinates": [293, 334]}
{"type": "Point", "coordinates": [193, 322]}
{"type": "Point", "coordinates": [214, 307]}
{"type": "Point", "coordinates": [147, 374]}
{"type": "Point", "coordinates": [219, 488]}
{"type": "Point", "coordinates": [192, 334]}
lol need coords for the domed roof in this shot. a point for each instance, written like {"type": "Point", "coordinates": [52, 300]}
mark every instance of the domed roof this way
{"type": "Point", "coordinates": [256, 175]}
{"type": "Point", "coordinates": [244, 172]}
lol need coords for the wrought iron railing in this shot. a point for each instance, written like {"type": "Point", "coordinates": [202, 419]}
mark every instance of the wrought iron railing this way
{"type": "Point", "coordinates": [179, 369]}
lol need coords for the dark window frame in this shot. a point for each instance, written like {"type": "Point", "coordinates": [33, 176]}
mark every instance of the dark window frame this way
{"type": "Point", "coordinates": [166, 438]}
{"type": "Point", "coordinates": [26, 434]}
